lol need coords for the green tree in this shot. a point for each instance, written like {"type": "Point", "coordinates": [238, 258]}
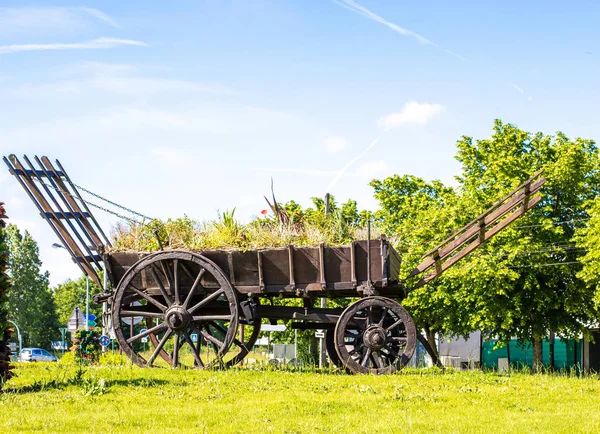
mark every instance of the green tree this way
{"type": "Point", "coordinates": [30, 302]}
{"type": "Point", "coordinates": [523, 283]}
{"type": "Point", "coordinates": [588, 240]}
{"type": "Point", "coordinates": [72, 293]}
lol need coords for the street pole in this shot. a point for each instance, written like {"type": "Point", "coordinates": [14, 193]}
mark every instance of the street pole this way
{"type": "Point", "coordinates": [322, 354]}
{"type": "Point", "coordinates": [105, 311]}
{"type": "Point", "coordinates": [18, 335]}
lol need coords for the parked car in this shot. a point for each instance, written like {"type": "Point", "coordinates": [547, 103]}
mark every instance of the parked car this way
{"type": "Point", "coordinates": [36, 355]}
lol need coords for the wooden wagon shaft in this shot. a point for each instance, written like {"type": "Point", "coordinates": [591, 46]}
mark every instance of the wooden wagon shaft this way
{"type": "Point", "coordinates": [54, 195]}
{"type": "Point", "coordinates": [480, 229]}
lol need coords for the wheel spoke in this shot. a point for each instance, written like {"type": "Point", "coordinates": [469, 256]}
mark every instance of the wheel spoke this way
{"type": "Point", "coordinates": [176, 279]}
{"type": "Point", "coordinates": [393, 326]}
{"type": "Point", "coordinates": [150, 299]}
{"type": "Point", "coordinates": [167, 272]}
{"type": "Point", "coordinates": [211, 338]}
{"type": "Point", "coordinates": [194, 287]}
{"type": "Point", "coordinates": [147, 332]}
{"type": "Point", "coordinates": [133, 313]}
{"type": "Point", "coordinates": [393, 352]}
{"type": "Point", "coordinates": [360, 322]}
{"type": "Point", "coordinates": [197, 358]}
{"type": "Point", "coordinates": [366, 357]}
{"type": "Point", "coordinates": [383, 317]}
{"type": "Point", "coordinates": [176, 351]}
{"type": "Point", "coordinates": [206, 300]}
{"type": "Point", "coordinates": [356, 349]}
{"type": "Point", "coordinates": [378, 360]}
{"type": "Point", "coordinates": [370, 315]}
{"type": "Point", "coordinates": [159, 347]}
{"type": "Point", "coordinates": [158, 281]}
{"type": "Point", "coordinates": [206, 318]}
{"type": "Point", "coordinates": [217, 326]}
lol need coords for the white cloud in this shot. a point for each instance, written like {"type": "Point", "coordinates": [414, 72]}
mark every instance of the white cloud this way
{"type": "Point", "coordinates": [101, 16]}
{"type": "Point", "coordinates": [519, 89]}
{"type": "Point", "coordinates": [335, 144]}
{"type": "Point", "coordinates": [412, 113]}
{"type": "Point", "coordinates": [359, 9]}
{"type": "Point", "coordinates": [93, 78]}
{"type": "Point", "coordinates": [374, 169]}
{"type": "Point", "coordinates": [30, 19]}
{"type": "Point", "coordinates": [100, 43]}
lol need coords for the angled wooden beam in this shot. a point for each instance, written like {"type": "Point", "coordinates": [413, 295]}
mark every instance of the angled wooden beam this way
{"type": "Point", "coordinates": [480, 229]}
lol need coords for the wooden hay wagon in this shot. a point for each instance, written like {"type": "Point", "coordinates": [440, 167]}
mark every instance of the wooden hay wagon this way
{"type": "Point", "coordinates": [178, 299]}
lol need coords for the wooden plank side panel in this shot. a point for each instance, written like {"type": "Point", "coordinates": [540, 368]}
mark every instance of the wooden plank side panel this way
{"type": "Point", "coordinates": [276, 270]}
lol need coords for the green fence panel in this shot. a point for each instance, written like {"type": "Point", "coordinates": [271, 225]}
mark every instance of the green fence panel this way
{"type": "Point", "coordinates": [567, 354]}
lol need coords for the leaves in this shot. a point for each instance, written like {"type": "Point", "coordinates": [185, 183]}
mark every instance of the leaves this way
{"type": "Point", "coordinates": [516, 284]}
{"type": "Point", "coordinates": [30, 302]}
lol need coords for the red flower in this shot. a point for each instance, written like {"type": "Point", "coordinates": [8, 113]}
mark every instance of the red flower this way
{"type": "Point", "coordinates": [264, 212]}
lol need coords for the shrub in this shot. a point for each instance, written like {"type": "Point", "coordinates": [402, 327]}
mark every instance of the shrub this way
{"type": "Point", "coordinates": [86, 346]}
{"type": "Point", "coordinates": [5, 331]}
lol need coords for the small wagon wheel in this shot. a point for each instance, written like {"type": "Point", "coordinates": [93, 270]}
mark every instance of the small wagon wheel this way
{"type": "Point", "coordinates": [375, 335]}
{"type": "Point", "coordinates": [241, 349]}
{"type": "Point", "coordinates": [181, 293]}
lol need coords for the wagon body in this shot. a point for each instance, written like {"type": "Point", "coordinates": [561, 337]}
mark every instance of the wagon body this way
{"type": "Point", "coordinates": [324, 271]}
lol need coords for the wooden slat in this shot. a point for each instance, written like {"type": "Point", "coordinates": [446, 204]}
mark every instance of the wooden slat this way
{"type": "Point", "coordinates": [475, 244]}
{"type": "Point", "coordinates": [45, 207]}
{"type": "Point", "coordinates": [72, 203]}
{"type": "Point", "coordinates": [66, 215]}
{"type": "Point", "coordinates": [474, 228]}
{"type": "Point", "coordinates": [82, 243]}
{"type": "Point", "coordinates": [291, 266]}
{"type": "Point", "coordinates": [261, 281]}
{"type": "Point", "coordinates": [353, 264]}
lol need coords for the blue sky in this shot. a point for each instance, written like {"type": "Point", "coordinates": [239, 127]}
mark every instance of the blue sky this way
{"type": "Point", "coordinates": [191, 107]}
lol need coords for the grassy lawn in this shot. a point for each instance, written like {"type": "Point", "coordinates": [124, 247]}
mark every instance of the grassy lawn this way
{"type": "Point", "coordinates": [58, 398]}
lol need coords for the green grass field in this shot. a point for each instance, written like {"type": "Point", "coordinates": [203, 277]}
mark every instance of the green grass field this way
{"type": "Point", "coordinates": [61, 398]}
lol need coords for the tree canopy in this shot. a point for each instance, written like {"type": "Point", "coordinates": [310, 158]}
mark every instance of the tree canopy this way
{"type": "Point", "coordinates": [30, 303]}
{"type": "Point", "coordinates": [524, 282]}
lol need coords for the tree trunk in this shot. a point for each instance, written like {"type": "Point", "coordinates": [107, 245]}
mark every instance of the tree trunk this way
{"type": "Point", "coordinates": [430, 336]}
{"type": "Point", "coordinates": [551, 351]}
{"type": "Point", "coordinates": [537, 355]}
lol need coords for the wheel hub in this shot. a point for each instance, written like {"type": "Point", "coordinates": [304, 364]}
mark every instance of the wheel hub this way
{"type": "Point", "coordinates": [375, 338]}
{"type": "Point", "coordinates": [178, 318]}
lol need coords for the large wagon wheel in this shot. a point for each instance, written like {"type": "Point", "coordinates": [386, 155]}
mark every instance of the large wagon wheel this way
{"type": "Point", "coordinates": [375, 335]}
{"type": "Point", "coordinates": [181, 293]}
